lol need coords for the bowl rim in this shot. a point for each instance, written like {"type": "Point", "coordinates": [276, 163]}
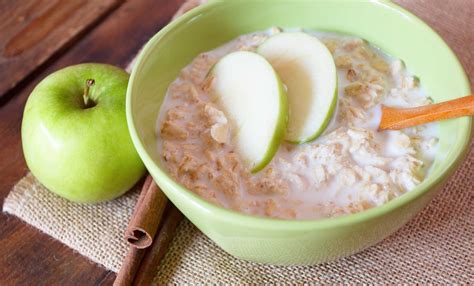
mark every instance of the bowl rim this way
{"type": "Point", "coordinates": [281, 224]}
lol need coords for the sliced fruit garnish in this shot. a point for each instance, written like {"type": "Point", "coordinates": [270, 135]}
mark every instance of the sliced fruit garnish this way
{"type": "Point", "coordinates": [307, 68]}
{"type": "Point", "coordinates": [254, 99]}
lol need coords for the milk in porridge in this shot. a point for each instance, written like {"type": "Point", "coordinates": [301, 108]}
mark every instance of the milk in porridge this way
{"type": "Point", "coordinates": [349, 168]}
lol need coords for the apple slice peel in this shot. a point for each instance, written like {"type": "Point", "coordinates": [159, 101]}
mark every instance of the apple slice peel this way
{"type": "Point", "coordinates": [308, 70]}
{"type": "Point", "coordinates": [254, 99]}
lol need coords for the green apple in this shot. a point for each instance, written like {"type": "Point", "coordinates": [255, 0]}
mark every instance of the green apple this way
{"type": "Point", "coordinates": [308, 70]}
{"type": "Point", "coordinates": [254, 99]}
{"type": "Point", "coordinates": [75, 136]}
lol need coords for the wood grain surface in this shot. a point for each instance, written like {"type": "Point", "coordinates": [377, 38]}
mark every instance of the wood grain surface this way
{"type": "Point", "coordinates": [28, 257]}
{"type": "Point", "coordinates": [34, 30]}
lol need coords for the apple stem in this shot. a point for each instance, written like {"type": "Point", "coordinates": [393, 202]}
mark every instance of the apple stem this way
{"type": "Point", "coordinates": [88, 85]}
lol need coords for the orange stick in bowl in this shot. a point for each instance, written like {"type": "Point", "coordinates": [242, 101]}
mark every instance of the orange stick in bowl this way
{"type": "Point", "coordinates": [399, 118]}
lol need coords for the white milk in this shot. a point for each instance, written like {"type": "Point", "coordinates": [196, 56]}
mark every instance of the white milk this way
{"type": "Point", "coordinates": [349, 168]}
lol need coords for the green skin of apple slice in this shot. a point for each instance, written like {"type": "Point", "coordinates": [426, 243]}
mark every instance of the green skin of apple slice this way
{"type": "Point", "coordinates": [280, 126]}
{"type": "Point", "coordinates": [280, 130]}
{"type": "Point", "coordinates": [330, 110]}
{"type": "Point", "coordinates": [326, 121]}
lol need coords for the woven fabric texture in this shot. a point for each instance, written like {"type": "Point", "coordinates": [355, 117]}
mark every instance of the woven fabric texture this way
{"type": "Point", "coordinates": [95, 231]}
{"type": "Point", "coordinates": [435, 247]}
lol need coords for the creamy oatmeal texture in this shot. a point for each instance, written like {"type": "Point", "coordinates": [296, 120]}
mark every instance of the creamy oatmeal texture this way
{"type": "Point", "coordinates": [349, 168]}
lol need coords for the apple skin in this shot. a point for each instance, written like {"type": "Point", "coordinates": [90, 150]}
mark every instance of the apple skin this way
{"type": "Point", "coordinates": [82, 154]}
{"type": "Point", "coordinates": [302, 60]}
{"type": "Point", "coordinates": [280, 124]}
{"type": "Point", "coordinates": [280, 129]}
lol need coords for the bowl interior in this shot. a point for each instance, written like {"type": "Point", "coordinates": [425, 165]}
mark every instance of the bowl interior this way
{"type": "Point", "coordinates": [383, 24]}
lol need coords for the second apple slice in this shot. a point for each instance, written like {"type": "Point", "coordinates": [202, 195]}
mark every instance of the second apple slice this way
{"type": "Point", "coordinates": [253, 98]}
{"type": "Point", "coordinates": [307, 68]}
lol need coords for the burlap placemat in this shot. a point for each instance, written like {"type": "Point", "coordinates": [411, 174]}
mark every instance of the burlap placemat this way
{"type": "Point", "coordinates": [95, 231]}
{"type": "Point", "coordinates": [435, 247]}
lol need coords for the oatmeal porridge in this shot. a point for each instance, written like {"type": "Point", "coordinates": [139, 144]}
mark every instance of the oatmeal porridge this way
{"type": "Point", "coordinates": [349, 168]}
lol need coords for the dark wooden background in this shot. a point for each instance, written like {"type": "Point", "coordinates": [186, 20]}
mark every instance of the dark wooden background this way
{"type": "Point", "coordinates": [35, 41]}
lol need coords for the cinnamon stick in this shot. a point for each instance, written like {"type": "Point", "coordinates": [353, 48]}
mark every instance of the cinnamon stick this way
{"type": "Point", "coordinates": [129, 267]}
{"type": "Point", "coordinates": [399, 118]}
{"type": "Point", "coordinates": [147, 215]}
{"type": "Point", "coordinates": [157, 251]}
{"type": "Point", "coordinates": [141, 229]}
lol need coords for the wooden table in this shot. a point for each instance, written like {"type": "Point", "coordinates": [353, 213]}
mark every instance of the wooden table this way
{"type": "Point", "coordinates": [112, 33]}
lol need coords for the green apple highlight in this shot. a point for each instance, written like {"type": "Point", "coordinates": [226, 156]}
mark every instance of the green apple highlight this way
{"type": "Point", "coordinates": [254, 99]}
{"type": "Point", "coordinates": [307, 68]}
{"type": "Point", "coordinates": [75, 136]}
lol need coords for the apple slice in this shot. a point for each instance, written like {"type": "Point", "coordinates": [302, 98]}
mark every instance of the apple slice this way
{"type": "Point", "coordinates": [254, 99]}
{"type": "Point", "coordinates": [307, 68]}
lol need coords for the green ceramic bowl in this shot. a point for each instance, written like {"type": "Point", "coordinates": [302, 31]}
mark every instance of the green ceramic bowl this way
{"type": "Point", "coordinates": [266, 240]}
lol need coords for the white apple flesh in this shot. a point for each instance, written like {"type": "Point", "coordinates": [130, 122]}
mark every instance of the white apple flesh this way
{"type": "Point", "coordinates": [254, 99]}
{"type": "Point", "coordinates": [308, 70]}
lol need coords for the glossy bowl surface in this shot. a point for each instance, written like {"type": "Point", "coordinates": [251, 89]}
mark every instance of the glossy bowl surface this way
{"type": "Point", "coordinates": [382, 23]}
